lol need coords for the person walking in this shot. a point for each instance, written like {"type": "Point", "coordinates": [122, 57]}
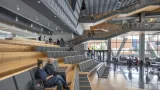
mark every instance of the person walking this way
{"type": "Point", "coordinates": [88, 52]}
{"type": "Point", "coordinates": [92, 54]}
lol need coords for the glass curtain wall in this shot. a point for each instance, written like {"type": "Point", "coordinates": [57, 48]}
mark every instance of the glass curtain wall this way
{"type": "Point", "coordinates": [125, 46]}
{"type": "Point", "coordinates": [128, 46]}
{"type": "Point", "coordinates": [152, 43]}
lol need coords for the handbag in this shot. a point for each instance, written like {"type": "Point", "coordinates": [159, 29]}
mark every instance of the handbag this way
{"type": "Point", "coordinates": [37, 85]}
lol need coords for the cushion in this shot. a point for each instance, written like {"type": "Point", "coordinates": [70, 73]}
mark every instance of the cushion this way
{"type": "Point", "coordinates": [23, 81]}
{"type": "Point", "coordinates": [8, 84]}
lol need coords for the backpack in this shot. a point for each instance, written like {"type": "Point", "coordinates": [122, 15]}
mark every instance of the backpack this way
{"type": "Point", "coordinates": [37, 85]}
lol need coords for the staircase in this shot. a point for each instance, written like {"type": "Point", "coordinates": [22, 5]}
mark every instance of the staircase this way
{"type": "Point", "coordinates": [124, 28]}
{"type": "Point", "coordinates": [84, 82]}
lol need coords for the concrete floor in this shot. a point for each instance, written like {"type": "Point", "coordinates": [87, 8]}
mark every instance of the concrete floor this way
{"type": "Point", "coordinates": [122, 77]}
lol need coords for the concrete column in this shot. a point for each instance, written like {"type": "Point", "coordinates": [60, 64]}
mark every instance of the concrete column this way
{"type": "Point", "coordinates": [142, 17]}
{"type": "Point", "coordinates": [142, 39]}
{"type": "Point", "coordinates": [109, 50]}
{"type": "Point", "coordinates": [142, 46]}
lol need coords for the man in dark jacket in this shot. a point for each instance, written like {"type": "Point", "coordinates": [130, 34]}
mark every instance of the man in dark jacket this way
{"type": "Point", "coordinates": [50, 70]}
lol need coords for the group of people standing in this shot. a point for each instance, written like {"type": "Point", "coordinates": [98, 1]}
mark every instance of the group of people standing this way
{"type": "Point", "coordinates": [40, 38]}
{"type": "Point", "coordinates": [91, 34]}
{"type": "Point", "coordinates": [60, 42]}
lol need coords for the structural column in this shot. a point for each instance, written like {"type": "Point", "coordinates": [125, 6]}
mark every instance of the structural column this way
{"type": "Point", "coordinates": [142, 38]}
{"type": "Point", "coordinates": [142, 46]}
{"type": "Point", "coordinates": [109, 50]}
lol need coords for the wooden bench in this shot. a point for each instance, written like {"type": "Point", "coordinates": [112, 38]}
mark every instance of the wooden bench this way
{"type": "Point", "coordinates": [16, 48]}
{"type": "Point", "coordinates": [24, 39]}
{"type": "Point", "coordinates": [19, 42]}
{"type": "Point", "coordinates": [11, 62]}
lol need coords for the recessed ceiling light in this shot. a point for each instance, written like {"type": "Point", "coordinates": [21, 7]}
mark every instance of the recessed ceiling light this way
{"type": "Point", "coordinates": [31, 25]}
{"type": "Point", "coordinates": [18, 7]}
{"type": "Point", "coordinates": [38, 1]}
{"type": "Point", "coordinates": [16, 19]}
{"type": "Point", "coordinates": [55, 16]}
{"type": "Point", "coordinates": [36, 18]}
{"type": "Point", "coordinates": [41, 29]}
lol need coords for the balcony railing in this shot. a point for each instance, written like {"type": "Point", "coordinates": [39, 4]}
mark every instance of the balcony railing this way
{"type": "Point", "coordinates": [118, 31]}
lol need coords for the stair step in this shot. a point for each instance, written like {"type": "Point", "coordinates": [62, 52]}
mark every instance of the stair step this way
{"type": "Point", "coordinates": [84, 83]}
{"type": "Point", "coordinates": [82, 75]}
{"type": "Point", "coordinates": [85, 88]}
{"type": "Point", "coordinates": [83, 79]}
{"type": "Point", "coordinates": [66, 89]}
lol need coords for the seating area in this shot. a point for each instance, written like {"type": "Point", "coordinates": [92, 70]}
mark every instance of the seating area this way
{"type": "Point", "coordinates": [103, 71]}
{"type": "Point", "coordinates": [45, 49]}
{"type": "Point", "coordinates": [27, 43]}
{"type": "Point", "coordinates": [18, 63]}
{"type": "Point", "coordinates": [87, 65]}
{"type": "Point", "coordinates": [60, 54]}
{"type": "Point", "coordinates": [74, 59]}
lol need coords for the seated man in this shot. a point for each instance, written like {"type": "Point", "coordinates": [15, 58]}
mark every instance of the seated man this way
{"type": "Point", "coordinates": [49, 80]}
{"type": "Point", "coordinates": [51, 71]}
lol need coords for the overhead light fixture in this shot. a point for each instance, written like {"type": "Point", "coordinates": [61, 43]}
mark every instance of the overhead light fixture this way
{"type": "Point", "coordinates": [36, 18]}
{"type": "Point", "coordinates": [41, 29]}
{"type": "Point", "coordinates": [48, 24]}
{"type": "Point", "coordinates": [55, 16]}
{"type": "Point", "coordinates": [39, 2]}
{"type": "Point", "coordinates": [31, 25]}
{"type": "Point", "coordinates": [18, 7]}
{"type": "Point", "coordinates": [16, 19]}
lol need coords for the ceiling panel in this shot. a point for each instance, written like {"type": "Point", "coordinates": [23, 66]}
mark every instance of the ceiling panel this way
{"type": "Point", "coordinates": [103, 6]}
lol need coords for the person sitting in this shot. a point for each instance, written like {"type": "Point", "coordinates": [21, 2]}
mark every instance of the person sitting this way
{"type": "Point", "coordinates": [50, 69]}
{"type": "Point", "coordinates": [49, 80]}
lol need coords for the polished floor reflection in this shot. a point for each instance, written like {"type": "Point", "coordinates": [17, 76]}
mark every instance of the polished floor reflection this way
{"type": "Point", "coordinates": [127, 78]}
